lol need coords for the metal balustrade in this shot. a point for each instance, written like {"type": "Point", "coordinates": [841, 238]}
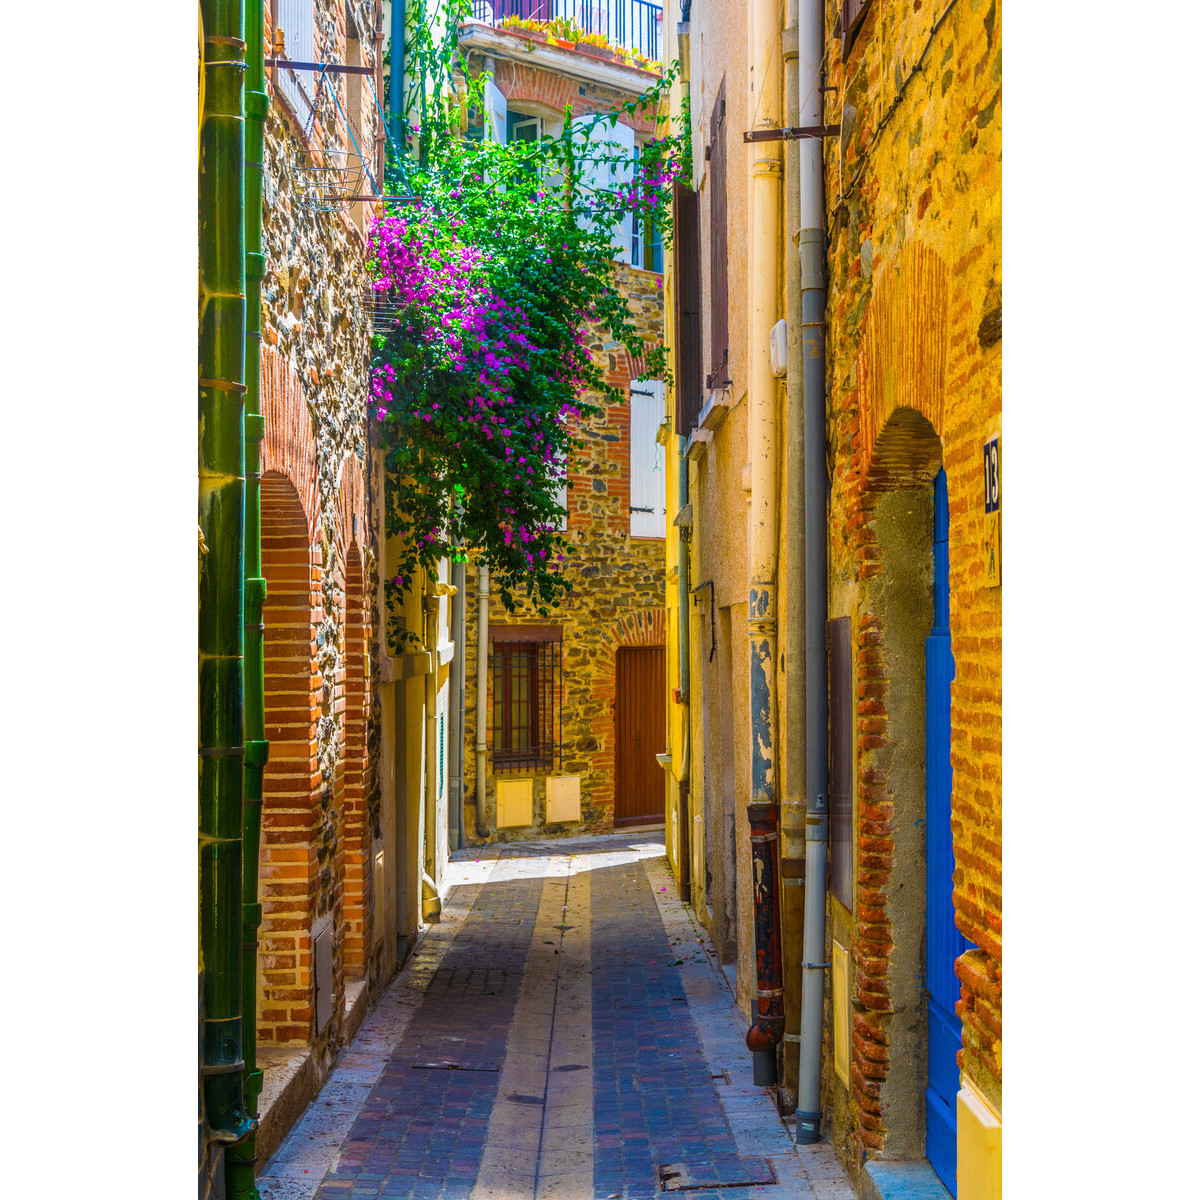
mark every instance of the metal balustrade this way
{"type": "Point", "coordinates": [633, 24]}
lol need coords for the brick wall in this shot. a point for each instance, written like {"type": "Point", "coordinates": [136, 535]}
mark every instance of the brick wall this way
{"type": "Point", "coordinates": [914, 383]}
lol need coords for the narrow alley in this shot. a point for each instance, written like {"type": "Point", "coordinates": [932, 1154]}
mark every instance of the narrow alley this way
{"type": "Point", "coordinates": [563, 1032]}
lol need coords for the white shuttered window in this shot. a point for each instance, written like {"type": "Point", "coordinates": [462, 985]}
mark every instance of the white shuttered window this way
{"type": "Point", "coordinates": [295, 18]}
{"type": "Point", "coordinates": [597, 172]}
{"type": "Point", "coordinates": [647, 473]}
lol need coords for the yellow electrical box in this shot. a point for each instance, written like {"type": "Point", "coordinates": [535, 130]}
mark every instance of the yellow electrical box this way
{"type": "Point", "coordinates": [562, 798]}
{"type": "Point", "coordinates": [514, 802]}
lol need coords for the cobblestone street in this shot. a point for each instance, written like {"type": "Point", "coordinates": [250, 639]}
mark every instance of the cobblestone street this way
{"type": "Point", "coordinates": [563, 1033]}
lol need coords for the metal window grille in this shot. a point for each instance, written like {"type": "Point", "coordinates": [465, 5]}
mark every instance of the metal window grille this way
{"type": "Point", "coordinates": [634, 24]}
{"type": "Point", "coordinates": [526, 681]}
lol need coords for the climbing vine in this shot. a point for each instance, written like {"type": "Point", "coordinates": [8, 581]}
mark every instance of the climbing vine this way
{"type": "Point", "coordinates": [494, 272]}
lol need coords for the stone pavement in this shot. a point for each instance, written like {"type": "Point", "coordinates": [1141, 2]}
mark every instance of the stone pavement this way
{"type": "Point", "coordinates": [563, 1033]}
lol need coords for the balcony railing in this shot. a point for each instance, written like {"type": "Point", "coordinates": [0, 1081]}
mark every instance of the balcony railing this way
{"type": "Point", "coordinates": [633, 24]}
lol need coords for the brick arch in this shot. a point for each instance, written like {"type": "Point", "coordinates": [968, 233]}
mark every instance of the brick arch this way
{"type": "Point", "coordinates": [287, 855]}
{"type": "Point", "coordinates": [902, 360]}
{"type": "Point", "coordinates": [289, 446]}
{"type": "Point", "coordinates": [896, 511]}
{"type": "Point", "coordinates": [354, 749]}
{"type": "Point", "coordinates": [906, 454]}
{"type": "Point", "coordinates": [646, 627]}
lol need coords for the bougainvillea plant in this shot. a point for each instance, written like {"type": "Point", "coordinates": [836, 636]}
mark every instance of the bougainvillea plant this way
{"type": "Point", "coordinates": [496, 272]}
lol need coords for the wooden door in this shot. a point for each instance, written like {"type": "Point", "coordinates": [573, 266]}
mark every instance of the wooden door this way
{"type": "Point", "coordinates": [641, 734]}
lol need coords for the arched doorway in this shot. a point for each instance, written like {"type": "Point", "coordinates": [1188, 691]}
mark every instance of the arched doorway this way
{"type": "Point", "coordinates": [287, 855]}
{"type": "Point", "coordinates": [907, 748]}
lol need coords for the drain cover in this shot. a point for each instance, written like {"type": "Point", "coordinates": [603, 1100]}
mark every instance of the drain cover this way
{"type": "Point", "coordinates": [447, 1064]}
{"type": "Point", "coordinates": [516, 1098]}
{"type": "Point", "coordinates": [714, 1173]}
{"type": "Point", "coordinates": [570, 1067]}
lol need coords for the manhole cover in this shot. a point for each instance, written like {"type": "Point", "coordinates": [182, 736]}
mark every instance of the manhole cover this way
{"type": "Point", "coordinates": [714, 1173]}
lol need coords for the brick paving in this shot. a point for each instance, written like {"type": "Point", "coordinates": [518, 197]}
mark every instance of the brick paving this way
{"type": "Point", "coordinates": [562, 1035]}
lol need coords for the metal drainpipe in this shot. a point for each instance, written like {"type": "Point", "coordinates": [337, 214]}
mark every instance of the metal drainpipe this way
{"type": "Point", "coordinates": [481, 690]}
{"type": "Point", "coordinates": [221, 345]}
{"type": "Point", "coordinates": [763, 810]}
{"type": "Point", "coordinates": [816, 487]}
{"type": "Point", "coordinates": [791, 859]}
{"type": "Point", "coordinates": [685, 781]}
{"type": "Point", "coordinates": [240, 1160]}
{"type": "Point", "coordinates": [431, 902]}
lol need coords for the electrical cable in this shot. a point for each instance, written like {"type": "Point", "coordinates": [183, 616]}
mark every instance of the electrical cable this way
{"type": "Point", "coordinates": [844, 196]}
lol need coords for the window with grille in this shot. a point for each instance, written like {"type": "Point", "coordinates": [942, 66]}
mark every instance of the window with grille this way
{"type": "Point", "coordinates": [526, 676]}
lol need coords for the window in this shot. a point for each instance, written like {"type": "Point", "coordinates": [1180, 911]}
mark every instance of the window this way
{"type": "Point", "coordinates": [526, 671]}
{"type": "Point", "coordinates": [718, 280]}
{"type": "Point", "coordinates": [603, 161]}
{"type": "Point", "coordinates": [294, 19]}
{"type": "Point", "coordinates": [521, 128]}
{"type": "Point", "coordinates": [647, 475]}
{"type": "Point", "coordinates": [647, 240]}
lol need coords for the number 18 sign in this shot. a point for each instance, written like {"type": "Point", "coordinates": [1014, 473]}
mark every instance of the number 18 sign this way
{"type": "Point", "coordinates": [991, 512]}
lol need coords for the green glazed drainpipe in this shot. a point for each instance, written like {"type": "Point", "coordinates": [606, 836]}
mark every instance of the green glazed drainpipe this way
{"type": "Point", "coordinates": [241, 1160]}
{"type": "Point", "coordinates": [221, 487]}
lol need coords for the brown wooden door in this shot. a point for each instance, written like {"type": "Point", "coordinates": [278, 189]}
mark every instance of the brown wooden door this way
{"type": "Point", "coordinates": [641, 734]}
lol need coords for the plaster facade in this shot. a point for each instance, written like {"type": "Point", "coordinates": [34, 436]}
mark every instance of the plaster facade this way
{"type": "Point", "coordinates": [913, 384]}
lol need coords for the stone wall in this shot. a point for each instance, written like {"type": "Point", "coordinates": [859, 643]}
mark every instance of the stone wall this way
{"type": "Point", "coordinates": [914, 383]}
{"type": "Point", "coordinates": [617, 600]}
{"type": "Point", "coordinates": [321, 807]}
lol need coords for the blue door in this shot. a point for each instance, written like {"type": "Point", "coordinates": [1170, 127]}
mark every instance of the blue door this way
{"type": "Point", "coordinates": [943, 942]}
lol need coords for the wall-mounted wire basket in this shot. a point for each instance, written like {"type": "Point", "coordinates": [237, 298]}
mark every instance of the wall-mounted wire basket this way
{"type": "Point", "coordinates": [326, 180]}
{"type": "Point", "coordinates": [382, 309]}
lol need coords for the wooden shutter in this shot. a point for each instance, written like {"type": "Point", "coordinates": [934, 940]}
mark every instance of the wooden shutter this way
{"type": "Point", "coordinates": [841, 761]}
{"type": "Point", "coordinates": [647, 474]}
{"type": "Point", "coordinates": [689, 373]}
{"type": "Point", "coordinates": [718, 278]}
{"type": "Point", "coordinates": [296, 20]}
{"type": "Point", "coordinates": [850, 18]}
